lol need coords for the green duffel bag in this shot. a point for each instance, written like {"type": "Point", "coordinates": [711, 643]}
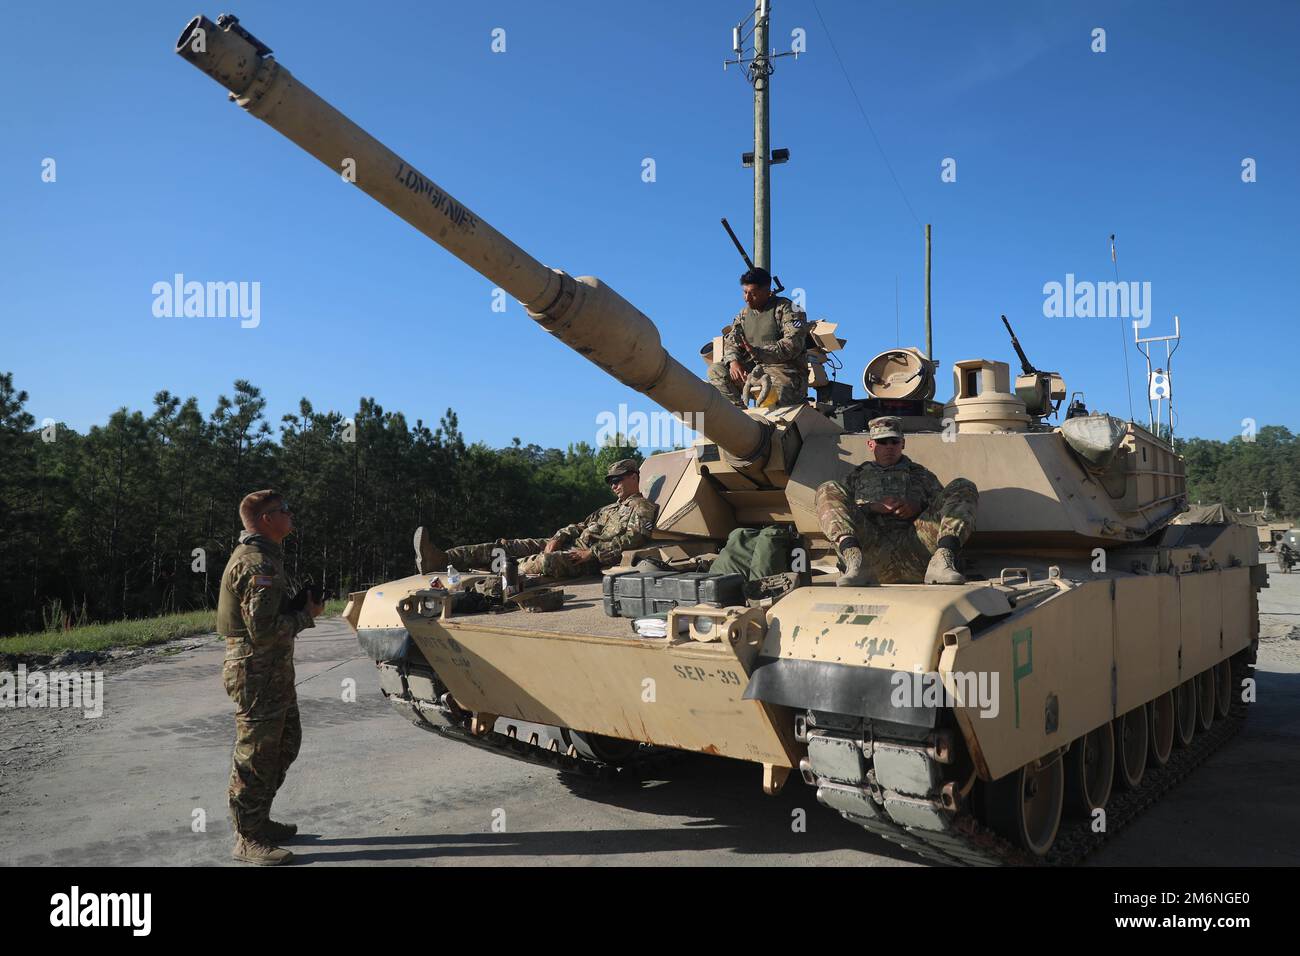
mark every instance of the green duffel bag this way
{"type": "Point", "coordinates": [756, 552]}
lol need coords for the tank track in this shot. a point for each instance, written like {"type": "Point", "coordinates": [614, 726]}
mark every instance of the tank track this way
{"type": "Point", "coordinates": [446, 720]}
{"type": "Point", "coordinates": [886, 801]}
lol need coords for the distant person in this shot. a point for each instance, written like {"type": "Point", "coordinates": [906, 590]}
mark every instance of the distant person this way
{"type": "Point", "coordinates": [769, 333]}
{"type": "Point", "coordinates": [891, 521]}
{"type": "Point", "coordinates": [576, 550]}
{"type": "Point", "coordinates": [254, 618]}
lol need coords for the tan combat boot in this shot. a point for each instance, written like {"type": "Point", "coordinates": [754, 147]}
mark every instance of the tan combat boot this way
{"type": "Point", "coordinates": [943, 568]}
{"type": "Point", "coordinates": [428, 558]}
{"type": "Point", "coordinates": [276, 833]}
{"type": "Point", "coordinates": [855, 574]}
{"type": "Point", "coordinates": [254, 850]}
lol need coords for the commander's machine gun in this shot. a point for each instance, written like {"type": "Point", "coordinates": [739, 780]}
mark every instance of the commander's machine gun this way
{"type": "Point", "coordinates": [1042, 392]}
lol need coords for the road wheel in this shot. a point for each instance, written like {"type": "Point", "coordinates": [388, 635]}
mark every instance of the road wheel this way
{"type": "Point", "coordinates": [1025, 806]}
{"type": "Point", "coordinates": [1205, 699]}
{"type": "Point", "coordinates": [1185, 704]}
{"type": "Point", "coordinates": [1162, 717]}
{"type": "Point", "coordinates": [1131, 747]}
{"type": "Point", "coordinates": [1090, 771]}
{"type": "Point", "coordinates": [1222, 688]}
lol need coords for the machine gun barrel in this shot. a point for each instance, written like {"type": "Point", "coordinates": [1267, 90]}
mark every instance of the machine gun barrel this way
{"type": "Point", "coordinates": [749, 263]}
{"type": "Point", "coordinates": [587, 315]}
{"type": "Point", "coordinates": [1025, 364]}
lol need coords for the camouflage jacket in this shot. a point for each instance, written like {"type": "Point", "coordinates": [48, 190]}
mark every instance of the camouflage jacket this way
{"type": "Point", "coordinates": [906, 480]}
{"type": "Point", "coordinates": [254, 597]}
{"type": "Point", "coordinates": [777, 333]}
{"type": "Point", "coordinates": [613, 529]}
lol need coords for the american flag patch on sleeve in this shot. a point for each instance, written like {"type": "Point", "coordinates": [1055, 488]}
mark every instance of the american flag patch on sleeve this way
{"type": "Point", "coordinates": [262, 580]}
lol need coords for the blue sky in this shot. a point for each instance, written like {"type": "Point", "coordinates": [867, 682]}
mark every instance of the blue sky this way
{"type": "Point", "coordinates": [1056, 147]}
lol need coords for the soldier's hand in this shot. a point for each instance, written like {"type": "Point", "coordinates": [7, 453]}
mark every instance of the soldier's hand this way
{"type": "Point", "coordinates": [581, 554]}
{"type": "Point", "coordinates": [551, 546]}
{"type": "Point", "coordinates": [906, 509]}
{"type": "Point", "coordinates": [314, 608]}
{"type": "Point", "coordinates": [738, 373]}
{"type": "Point", "coordinates": [885, 506]}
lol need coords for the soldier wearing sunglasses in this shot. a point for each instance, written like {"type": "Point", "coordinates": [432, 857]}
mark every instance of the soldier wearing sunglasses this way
{"type": "Point", "coordinates": [576, 550]}
{"type": "Point", "coordinates": [891, 521]}
{"type": "Point", "coordinates": [255, 618]}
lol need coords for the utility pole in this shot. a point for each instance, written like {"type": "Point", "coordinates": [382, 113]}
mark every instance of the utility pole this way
{"type": "Point", "coordinates": [758, 67]}
{"type": "Point", "coordinates": [761, 73]}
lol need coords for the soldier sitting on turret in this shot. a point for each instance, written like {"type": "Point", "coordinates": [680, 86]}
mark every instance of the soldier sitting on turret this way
{"type": "Point", "coordinates": [576, 550]}
{"type": "Point", "coordinates": [769, 333]}
{"type": "Point", "coordinates": [891, 521]}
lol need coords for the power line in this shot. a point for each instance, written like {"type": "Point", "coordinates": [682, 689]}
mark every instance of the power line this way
{"type": "Point", "coordinates": [866, 119]}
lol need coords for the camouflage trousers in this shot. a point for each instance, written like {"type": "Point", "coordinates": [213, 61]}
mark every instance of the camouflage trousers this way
{"type": "Point", "coordinates": [268, 730]}
{"type": "Point", "coordinates": [535, 560]}
{"type": "Point", "coordinates": [789, 389]}
{"type": "Point", "coordinates": [897, 552]}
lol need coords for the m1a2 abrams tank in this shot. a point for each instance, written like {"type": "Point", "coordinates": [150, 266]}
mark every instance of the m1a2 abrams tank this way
{"type": "Point", "coordinates": [1093, 657]}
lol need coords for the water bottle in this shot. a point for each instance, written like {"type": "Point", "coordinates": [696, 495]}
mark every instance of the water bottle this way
{"type": "Point", "coordinates": [453, 577]}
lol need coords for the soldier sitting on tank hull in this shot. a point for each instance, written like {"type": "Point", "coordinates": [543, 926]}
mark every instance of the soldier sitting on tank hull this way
{"type": "Point", "coordinates": [891, 521]}
{"type": "Point", "coordinates": [771, 333]}
{"type": "Point", "coordinates": [576, 550]}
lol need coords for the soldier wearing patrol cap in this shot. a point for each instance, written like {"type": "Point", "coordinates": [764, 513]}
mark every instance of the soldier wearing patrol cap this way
{"type": "Point", "coordinates": [255, 618]}
{"type": "Point", "coordinates": [770, 332]}
{"type": "Point", "coordinates": [890, 519]}
{"type": "Point", "coordinates": [576, 550]}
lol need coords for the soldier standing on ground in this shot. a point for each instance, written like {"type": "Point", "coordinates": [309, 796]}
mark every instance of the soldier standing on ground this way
{"type": "Point", "coordinates": [576, 550]}
{"type": "Point", "coordinates": [776, 333]}
{"type": "Point", "coordinates": [891, 521]}
{"type": "Point", "coordinates": [259, 628]}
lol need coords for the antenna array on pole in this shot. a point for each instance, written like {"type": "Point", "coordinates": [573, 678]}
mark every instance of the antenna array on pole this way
{"type": "Point", "coordinates": [757, 63]}
{"type": "Point", "coordinates": [1160, 381]}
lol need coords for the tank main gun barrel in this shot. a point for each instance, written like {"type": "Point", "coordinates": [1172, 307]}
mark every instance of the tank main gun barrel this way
{"type": "Point", "coordinates": [587, 315]}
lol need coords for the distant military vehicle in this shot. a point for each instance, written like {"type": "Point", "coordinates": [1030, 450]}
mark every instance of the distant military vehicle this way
{"type": "Point", "coordinates": [1090, 661]}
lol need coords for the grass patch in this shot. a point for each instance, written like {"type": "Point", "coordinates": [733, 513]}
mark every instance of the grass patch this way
{"type": "Point", "coordinates": [141, 632]}
{"type": "Point", "coordinates": [99, 637]}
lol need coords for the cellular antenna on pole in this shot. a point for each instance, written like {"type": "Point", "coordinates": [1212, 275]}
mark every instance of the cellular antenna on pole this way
{"type": "Point", "coordinates": [757, 63]}
{"type": "Point", "coordinates": [1160, 381]}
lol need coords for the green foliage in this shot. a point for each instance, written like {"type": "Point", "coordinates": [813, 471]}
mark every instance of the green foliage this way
{"type": "Point", "coordinates": [140, 632]}
{"type": "Point", "coordinates": [137, 517]}
{"type": "Point", "coordinates": [1240, 473]}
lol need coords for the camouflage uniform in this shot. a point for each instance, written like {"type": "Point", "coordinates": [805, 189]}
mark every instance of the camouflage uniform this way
{"type": "Point", "coordinates": [258, 673]}
{"type": "Point", "coordinates": [607, 533]}
{"type": "Point", "coordinates": [778, 335]}
{"type": "Point", "coordinates": [896, 549]}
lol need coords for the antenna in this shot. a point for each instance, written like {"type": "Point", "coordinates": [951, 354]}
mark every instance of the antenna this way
{"type": "Point", "coordinates": [758, 67]}
{"type": "Point", "coordinates": [1128, 384]}
{"type": "Point", "coordinates": [929, 339]}
{"type": "Point", "coordinates": [1160, 381]}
